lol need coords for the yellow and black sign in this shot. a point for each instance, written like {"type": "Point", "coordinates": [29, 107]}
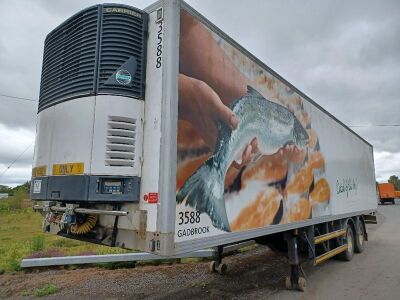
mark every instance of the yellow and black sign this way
{"type": "Point", "coordinates": [39, 171]}
{"type": "Point", "coordinates": [69, 168]}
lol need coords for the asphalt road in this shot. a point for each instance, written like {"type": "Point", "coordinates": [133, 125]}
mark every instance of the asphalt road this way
{"type": "Point", "coordinates": [255, 274]}
{"type": "Point", "coordinates": [373, 274]}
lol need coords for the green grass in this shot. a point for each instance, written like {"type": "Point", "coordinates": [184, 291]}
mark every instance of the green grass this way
{"type": "Point", "coordinates": [46, 290]}
{"type": "Point", "coordinates": [21, 236]}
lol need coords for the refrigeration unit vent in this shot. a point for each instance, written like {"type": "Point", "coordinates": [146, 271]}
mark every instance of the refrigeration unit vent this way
{"type": "Point", "coordinates": [69, 58]}
{"type": "Point", "coordinates": [121, 142]}
{"type": "Point", "coordinates": [100, 50]}
{"type": "Point", "coordinates": [122, 45]}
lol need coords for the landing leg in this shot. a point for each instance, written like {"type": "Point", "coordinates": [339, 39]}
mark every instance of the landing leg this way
{"type": "Point", "coordinates": [297, 279]}
{"type": "Point", "coordinates": [217, 265]}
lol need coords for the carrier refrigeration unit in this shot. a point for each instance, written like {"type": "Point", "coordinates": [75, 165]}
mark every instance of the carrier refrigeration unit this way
{"type": "Point", "coordinates": [156, 131]}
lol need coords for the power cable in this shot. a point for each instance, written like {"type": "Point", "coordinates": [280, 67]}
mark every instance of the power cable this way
{"type": "Point", "coordinates": [18, 98]}
{"type": "Point", "coordinates": [15, 160]}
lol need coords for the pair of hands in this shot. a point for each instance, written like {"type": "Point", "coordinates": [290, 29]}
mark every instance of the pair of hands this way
{"type": "Point", "coordinates": [203, 108]}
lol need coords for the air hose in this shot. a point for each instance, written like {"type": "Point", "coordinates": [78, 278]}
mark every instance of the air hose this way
{"type": "Point", "coordinates": [84, 227]}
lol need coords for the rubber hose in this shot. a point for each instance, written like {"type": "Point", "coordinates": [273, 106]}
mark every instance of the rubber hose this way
{"type": "Point", "coordinates": [86, 226]}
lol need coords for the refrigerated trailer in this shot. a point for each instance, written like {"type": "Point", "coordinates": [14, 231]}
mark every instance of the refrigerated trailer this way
{"type": "Point", "coordinates": [156, 131]}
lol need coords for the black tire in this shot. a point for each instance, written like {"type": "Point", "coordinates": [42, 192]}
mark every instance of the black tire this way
{"type": "Point", "coordinates": [393, 202]}
{"type": "Point", "coordinates": [359, 244]}
{"type": "Point", "coordinates": [349, 239]}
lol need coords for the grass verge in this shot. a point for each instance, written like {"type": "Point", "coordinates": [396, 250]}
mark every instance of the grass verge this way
{"type": "Point", "coordinates": [21, 237]}
{"type": "Point", "coordinates": [46, 290]}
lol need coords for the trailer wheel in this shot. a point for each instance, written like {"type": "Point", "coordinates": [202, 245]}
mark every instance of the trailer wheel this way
{"type": "Point", "coordinates": [211, 266]}
{"type": "Point", "coordinates": [288, 283]}
{"type": "Point", "coordinates": [360, 238]}
{"type": "Point", "coordinates": [302, 283]}
{"type": "Point", "coordinates": [222, 268]}
{"type": "Point", "coordinates": [349, 239]}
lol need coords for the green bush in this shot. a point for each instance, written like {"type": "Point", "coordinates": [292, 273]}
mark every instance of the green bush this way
{"type": "Point", "coordinates": [14, 264]}
{"type": "Point", "coordinates": [37, 243]}
{"type": "Point", "coordinates": [64, 242]}
{"type": "Point", "coordinates": [48, 289]}
{"type": "Point", "coordinates": [16, 202]}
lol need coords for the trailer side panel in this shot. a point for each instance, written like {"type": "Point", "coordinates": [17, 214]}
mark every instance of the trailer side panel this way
{"type": "Point", "coordinates": [284, 160]}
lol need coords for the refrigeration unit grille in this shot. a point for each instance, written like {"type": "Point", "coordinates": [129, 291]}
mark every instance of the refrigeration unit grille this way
{"type": "Point", "coordinates": [100, 50]}
{"type": "Point", "coordinates": [122, 38]}
{"type": "Point", "coordinates": [69, 58]}
{"type": "Point", "coordinates": [121, 142]}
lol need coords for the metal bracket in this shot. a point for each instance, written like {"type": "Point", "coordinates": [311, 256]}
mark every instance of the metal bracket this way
{"type": "Point", "coordinates": [140, 223]}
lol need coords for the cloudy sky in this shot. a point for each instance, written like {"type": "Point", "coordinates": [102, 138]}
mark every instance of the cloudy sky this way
{"type": "Point", "coordinates": [343, 54]}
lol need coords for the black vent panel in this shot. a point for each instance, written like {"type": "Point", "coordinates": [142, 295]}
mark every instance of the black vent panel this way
{"type": "Point", "coordinates": [69, 59]}
{"type": "Point", "coordinates": [122, 53]}
{"type": "Point", "coordinates": [100, 50]}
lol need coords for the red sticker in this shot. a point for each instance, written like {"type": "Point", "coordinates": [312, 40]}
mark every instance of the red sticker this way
{"type": "Point", "coordinates": [153, 198]}
{"type": "Point", "coordinates": [145, 197]}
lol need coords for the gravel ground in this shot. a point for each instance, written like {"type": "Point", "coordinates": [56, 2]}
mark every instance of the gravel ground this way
{"type": "Point", "coordinates": [257, 274]}
{"type": "Point", "coordinates": [257, 268]}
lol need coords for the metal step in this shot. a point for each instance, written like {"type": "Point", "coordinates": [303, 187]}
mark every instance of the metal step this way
{"type": "Point", "coordinates": [370, 219]}
{"type": "Point", "coordinates": [324, 237]}
{"type": "Point", "coordinates": [329, 254]}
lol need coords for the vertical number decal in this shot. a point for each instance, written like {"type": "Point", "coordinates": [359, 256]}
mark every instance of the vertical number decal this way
{"type": "Point", "coordinates": [159, 39]}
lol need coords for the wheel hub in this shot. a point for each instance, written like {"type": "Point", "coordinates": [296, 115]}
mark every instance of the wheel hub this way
{"type": "Point", "coordinates": [349, 242]}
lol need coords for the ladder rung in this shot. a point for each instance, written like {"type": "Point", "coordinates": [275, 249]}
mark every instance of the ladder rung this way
{"type": "Point", "coordinates": [330, 254]}
{"type": "Point", "coordinates": [328, 236]}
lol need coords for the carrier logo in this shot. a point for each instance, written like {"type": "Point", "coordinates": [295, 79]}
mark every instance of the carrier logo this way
{"type": "Point", "coordinates": [123, 77]}
{"type": "Point", "coordinates": [123, 11]}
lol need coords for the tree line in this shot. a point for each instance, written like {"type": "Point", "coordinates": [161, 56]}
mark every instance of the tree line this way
{"type": "Point", "coordinates": [19, 188]}
{"type": "Point", "coordinates": [396, 182]}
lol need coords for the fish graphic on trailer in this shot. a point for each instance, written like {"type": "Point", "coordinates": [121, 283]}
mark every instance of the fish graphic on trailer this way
{"type": "Point", "coordinates": [273, 125]}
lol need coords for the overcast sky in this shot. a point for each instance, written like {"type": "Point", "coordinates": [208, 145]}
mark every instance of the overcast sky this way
{"type": "Point", "coordinates": [343, 54]}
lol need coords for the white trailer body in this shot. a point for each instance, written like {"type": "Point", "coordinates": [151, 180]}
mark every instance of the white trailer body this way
{"type": "Point", "coordinates": [309, 169]}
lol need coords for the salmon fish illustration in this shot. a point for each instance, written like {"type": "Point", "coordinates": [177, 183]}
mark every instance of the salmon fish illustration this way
{"type": "Point", "coordinates": [272, 124]}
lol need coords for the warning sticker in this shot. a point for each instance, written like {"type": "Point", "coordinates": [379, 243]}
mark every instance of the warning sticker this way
{"type": "Point", "coordinates": [37, 186]}
{"type": "Point", "coordinates": [151, 198]}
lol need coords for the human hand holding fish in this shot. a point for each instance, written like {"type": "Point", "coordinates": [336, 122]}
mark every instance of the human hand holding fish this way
{"type": "Point", "coordinates": [202, 107]}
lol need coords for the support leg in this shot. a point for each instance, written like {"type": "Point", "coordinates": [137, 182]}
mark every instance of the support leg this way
{"type": "Point", "coordinates": [217, 265]}
{"type": "Point", "coordinates": [296, 280]}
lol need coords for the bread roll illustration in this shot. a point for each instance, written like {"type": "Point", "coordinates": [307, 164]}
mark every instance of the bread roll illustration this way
{"type": "Point", "coordinates": [316, 160]}
{"type": "Point", "coordinates": [300, 210]}
{"type": "Point", "coordinates": [313, 138]}
{"type": "Point", "coordinates": [260, 212]}
{"type": "Point", "coordinates": [271, 168]}
{"type": "Point", "coordinates": [321, 192]}
{"type": "Point", "coordinates": [304, 118]}
{"type": "Point", "coordinates": [301, 181]}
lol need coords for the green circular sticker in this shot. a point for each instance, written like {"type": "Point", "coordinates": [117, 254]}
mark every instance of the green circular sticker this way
{"type": "Point", "coordinates": [123, 77]}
